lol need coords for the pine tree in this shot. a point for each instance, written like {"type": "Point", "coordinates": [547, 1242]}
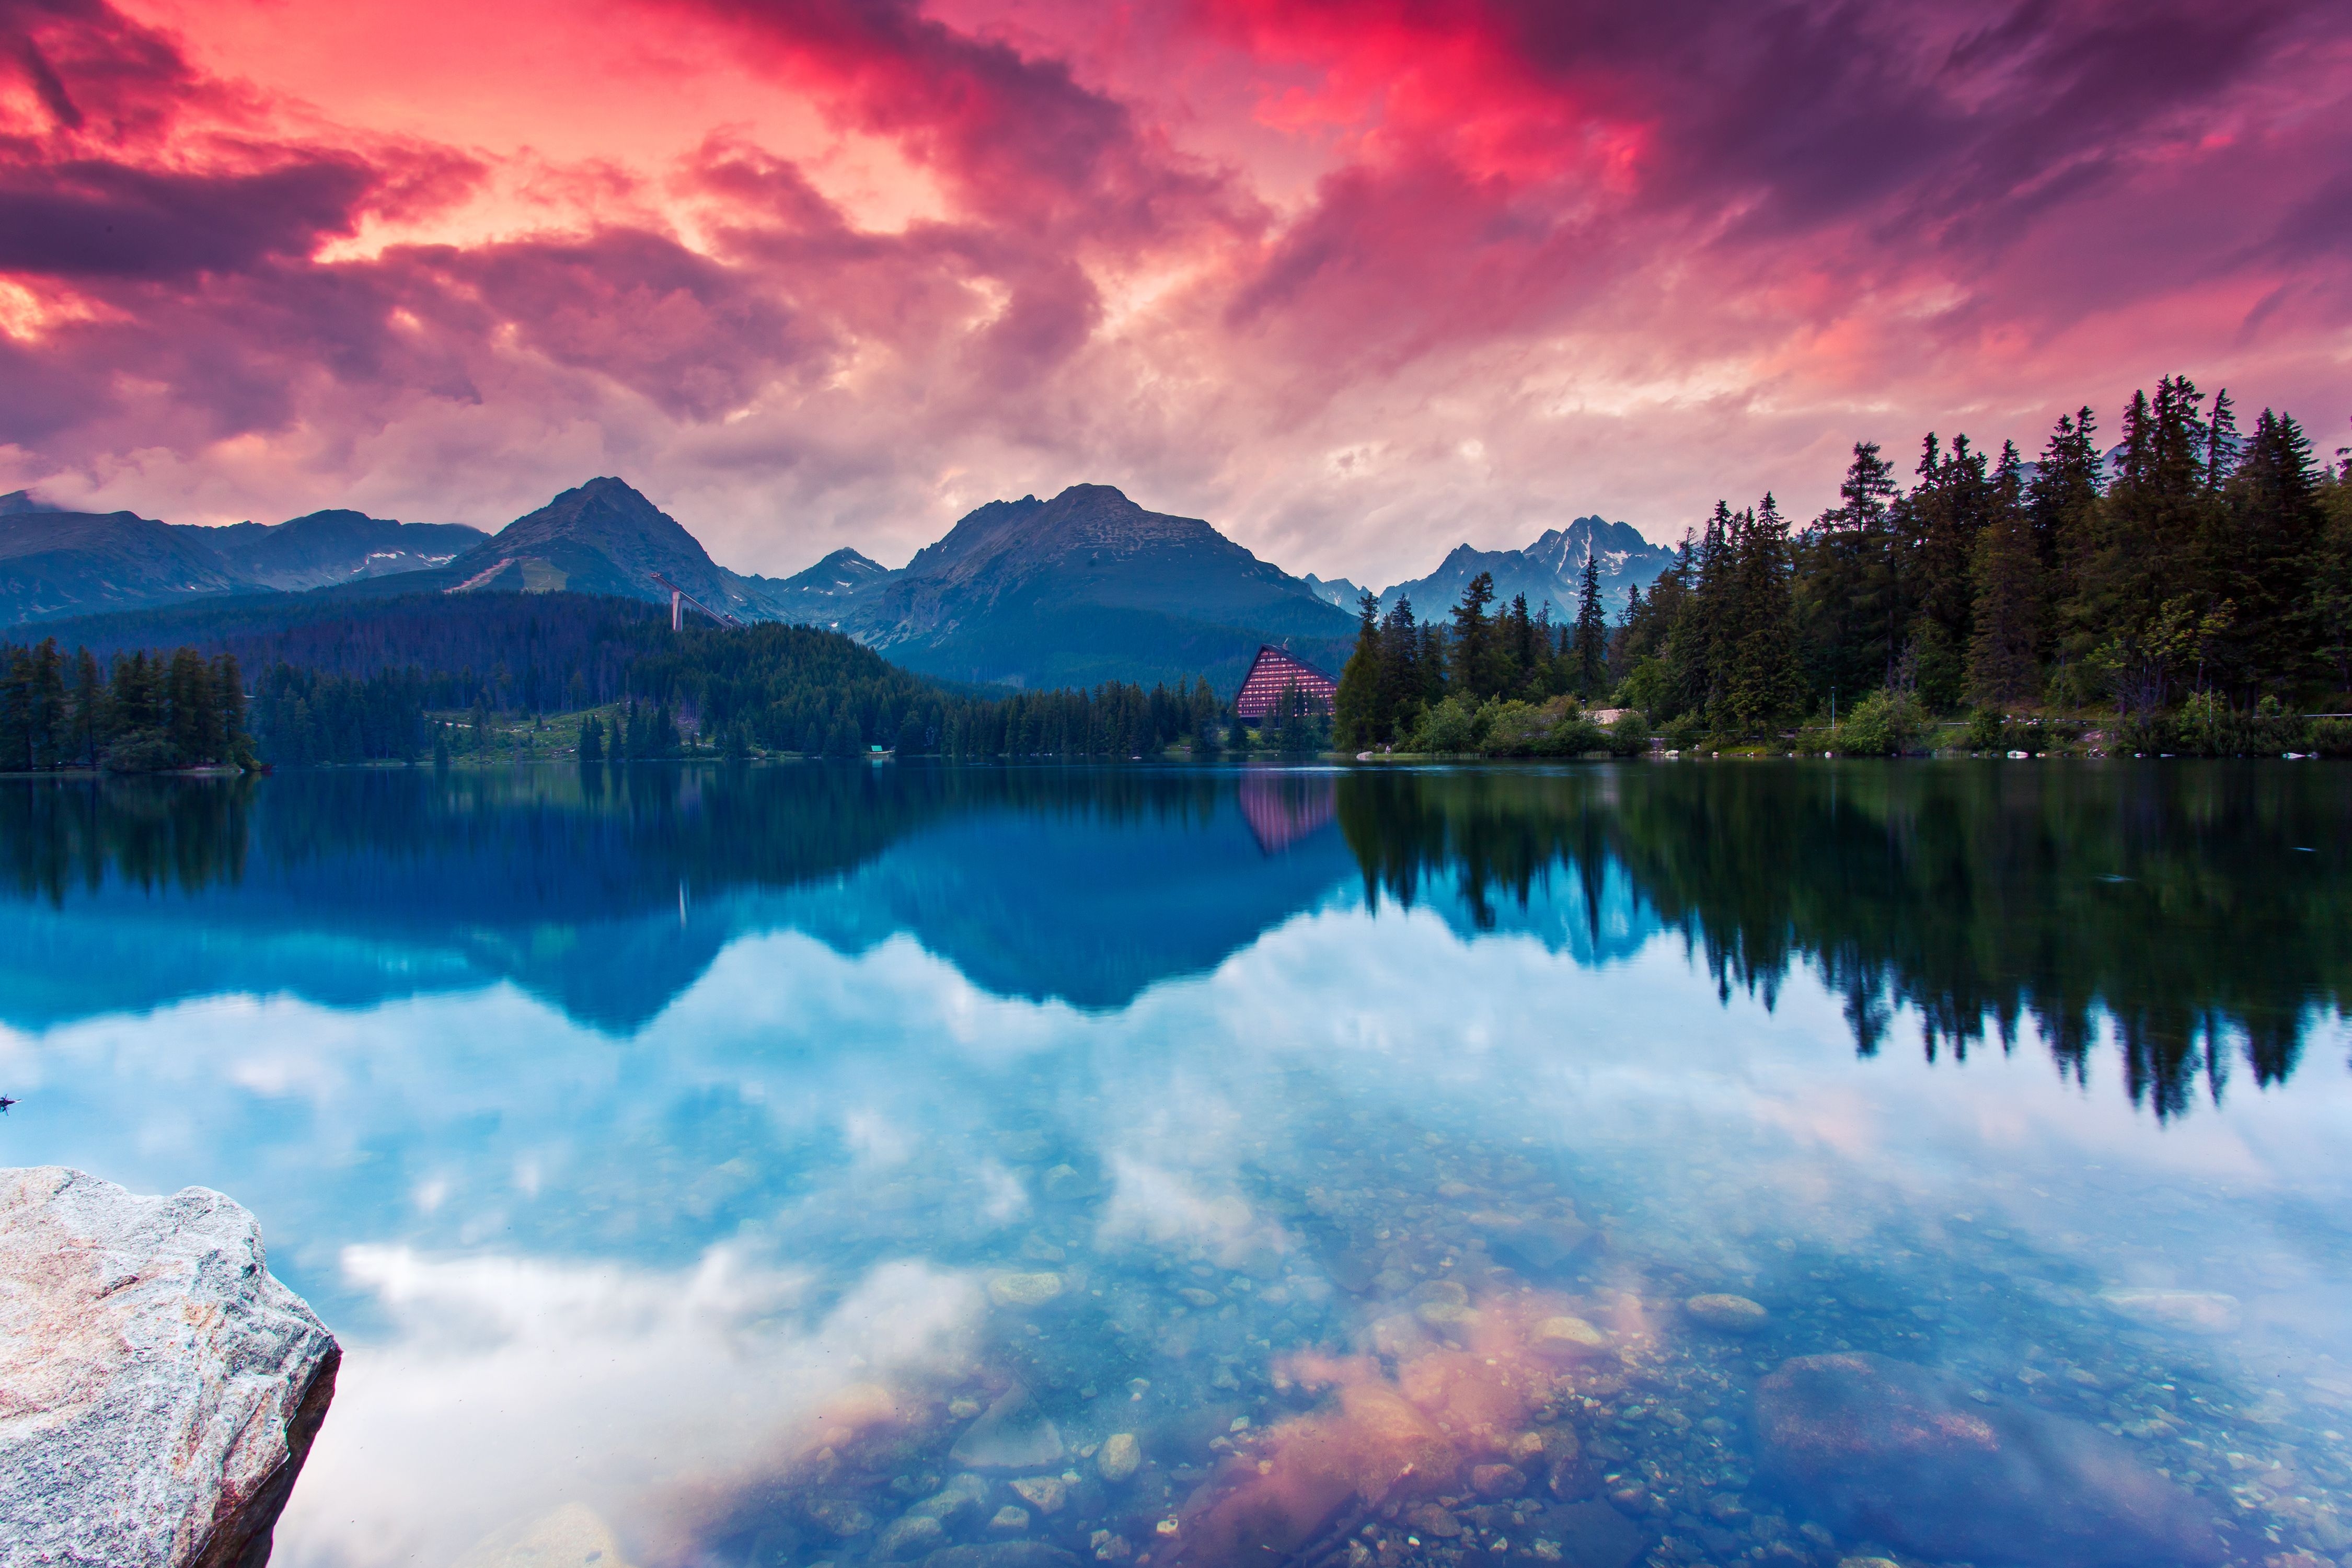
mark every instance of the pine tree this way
{"type": "Point", "coordinates": [1590, 635]}
{"type": "Point", "coordinates": [1695, 647]}
{"type": "Point", "coordinates": [1762, 682]}
{"type": "Point", "coordinates": [50, 719]}
{"type": "Point", "coordinates": [89, 717]}
{"type": "Point", "coordinates": [1356, 708]}
{"type": "Point", "coordinates": [2276, 531]}
{"type": "Point", "coordinates": [1474, 640]}
{"type": "Point", "coordinates": [2005, 646]}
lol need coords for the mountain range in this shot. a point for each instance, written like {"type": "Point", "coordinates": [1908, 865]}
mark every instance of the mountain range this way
{"type": "Point", "coordinates": [1085, 587]}
{"type": "Point", "coordinates": [55, 563]}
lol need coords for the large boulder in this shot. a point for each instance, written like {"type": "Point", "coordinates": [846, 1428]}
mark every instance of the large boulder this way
{"type": "Point", "coordinates": [158, 1389]}
{"type": "Point", "coordinates": [1898, 1453]}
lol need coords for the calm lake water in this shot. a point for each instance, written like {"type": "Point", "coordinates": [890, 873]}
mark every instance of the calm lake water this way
{"type": "Point", "coordinates": [842, 1164]}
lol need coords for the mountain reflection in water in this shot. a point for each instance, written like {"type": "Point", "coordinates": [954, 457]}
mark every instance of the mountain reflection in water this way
{"type": "Point", "coordinates": [821, 1164]}
{"type": "Point", "coordinates": [2193, 915]}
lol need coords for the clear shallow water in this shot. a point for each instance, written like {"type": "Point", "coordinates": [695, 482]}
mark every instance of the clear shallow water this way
{"type": "Point", "coordinates": [748, 1159]}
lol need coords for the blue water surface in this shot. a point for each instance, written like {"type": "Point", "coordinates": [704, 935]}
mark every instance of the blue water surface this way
{"type": "Point", "coordinates": [845, 1164]}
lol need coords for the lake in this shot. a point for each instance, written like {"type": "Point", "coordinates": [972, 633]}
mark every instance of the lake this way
{"type": "Point", "coordinates": [1699, 1162]}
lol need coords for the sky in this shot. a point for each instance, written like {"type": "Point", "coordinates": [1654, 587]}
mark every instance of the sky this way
{"type": "Point", "coordinates": [1354, 279]}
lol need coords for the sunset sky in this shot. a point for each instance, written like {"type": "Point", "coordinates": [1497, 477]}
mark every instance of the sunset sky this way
{"type": "Point", "coordinates": [1353, 280]}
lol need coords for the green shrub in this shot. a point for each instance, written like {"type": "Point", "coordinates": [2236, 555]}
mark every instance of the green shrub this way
{"type": "Point", "coordinates": [1630, 735]}
{"type": "Point", "coordinates": [1452, 725]}
{"type": "Point", "coordinates": [1884, 725]}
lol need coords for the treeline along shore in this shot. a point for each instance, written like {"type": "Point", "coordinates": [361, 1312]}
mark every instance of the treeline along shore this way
{"type": "Point", "coordinates": [440, 677]}
{"type": "Point", "coordinates": [2189, 591]}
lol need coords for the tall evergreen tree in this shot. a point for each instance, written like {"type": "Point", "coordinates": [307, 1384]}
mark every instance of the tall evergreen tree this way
{"type": "Point", "coordinates": [1762, 683]}
{"type": "Point", "coordinates": [1355, 716]}
{"type": "Point", "coordinates": [2005, 646]}
{"type": "Point", "coordinates": [1475, 653]}
{"type": "Point", "coordinates": [1592, 632]}
{"type": "Point", "coordinates": [2274, 562]}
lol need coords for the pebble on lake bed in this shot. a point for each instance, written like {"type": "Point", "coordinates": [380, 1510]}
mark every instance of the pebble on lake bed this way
{"type": "Point", "coordinates": [1568, 1336]}
{"type": "Point", "coordinates": [1045, 1493]}
{"type": "Point", "coordinates": [1726, 1314]}
{"type": "Point", "coordinates": [1024, 1289]}
{"type": "Point", "coordinates": [1121, 1455]}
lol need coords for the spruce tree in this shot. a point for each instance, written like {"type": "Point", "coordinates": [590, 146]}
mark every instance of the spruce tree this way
{"type": "Point", "coordinates": [1590, 636]}
{"type": "Point", "coordinates": [1474, 640]}
{"type": "Point", "coordinates": [89, 718]}
{"type": "Point", "coordinates": [2005, 646]}
{"type": "Point", "coordinates": [2276, 529]}
{"type": "Point", "coordinates": [1356, 707]}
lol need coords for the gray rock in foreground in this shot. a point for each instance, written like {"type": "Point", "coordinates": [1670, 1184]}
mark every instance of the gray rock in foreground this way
{"type": "Point", "coordinates": [158, 1389]}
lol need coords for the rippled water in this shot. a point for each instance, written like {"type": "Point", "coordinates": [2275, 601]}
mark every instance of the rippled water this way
{"type": "Point", "coordinates": [847, 1164]}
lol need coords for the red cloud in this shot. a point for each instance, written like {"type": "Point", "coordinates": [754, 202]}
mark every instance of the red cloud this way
{"type": "Point", "coordinates": [1514, 259]}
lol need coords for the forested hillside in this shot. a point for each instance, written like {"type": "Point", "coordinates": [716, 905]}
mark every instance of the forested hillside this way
{"type": "Point", "coordinates": [354, 681]}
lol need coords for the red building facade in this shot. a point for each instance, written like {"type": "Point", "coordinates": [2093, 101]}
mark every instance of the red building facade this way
{"type": "Point", "coordinates": [1276, 672]}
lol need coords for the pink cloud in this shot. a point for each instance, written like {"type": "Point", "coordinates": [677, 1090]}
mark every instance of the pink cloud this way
{"type": "Point", "coordinates": [1354, 279]}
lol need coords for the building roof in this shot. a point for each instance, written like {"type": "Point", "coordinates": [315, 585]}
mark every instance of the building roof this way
{"type": "Point", "coordinates": [1275, 672]}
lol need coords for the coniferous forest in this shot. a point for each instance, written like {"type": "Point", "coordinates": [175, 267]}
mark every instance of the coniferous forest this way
{"type": "Point", "coordinates": [2189, 590]}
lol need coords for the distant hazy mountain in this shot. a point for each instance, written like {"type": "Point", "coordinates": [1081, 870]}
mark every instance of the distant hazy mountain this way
{"type": "Point", "coordinates": [1088, 586]}
{"type": "Point", "coordinates": [820, 595]}
{"type": "Point", "coordinates": [56, 563]}
{"type": "Point", "coordinates": [1550, 571]}
{"type": "Point", "coordinates": [324, 548]}
{"type": "Point", "coordinates": [1334, 591]}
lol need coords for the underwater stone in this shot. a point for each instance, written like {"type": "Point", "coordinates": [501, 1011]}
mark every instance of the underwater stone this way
{"type": "Point", "coordinates": [1009, 1520]}
{"type": "Point", "coordinates": [1535, 1244]}
{"type": "Point", "coordinates": [1882, 1448]}
{"type": "Point", "coordinates": [914, 1535]}
{"type": "Point", "coordinates": [1046, 1494]}
{"type": "Point", "coordinates": [1589, 1534]}
{"type": "Point", "coordinates": [1121, 1456]}
{"type": "Point", "coordinates": [1568, 1336]}
{"type": "Point", "coordinates": [1726, 1314]}
{"type": "Point", "coordinates": [1013, 1435]}
{"type": "Point", "coordinates": [1024, 1289]}
{"type": "Point", "coordinates": [1498, 1480]}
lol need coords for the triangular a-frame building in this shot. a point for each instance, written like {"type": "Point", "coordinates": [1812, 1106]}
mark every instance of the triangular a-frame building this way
{"type": "Point", "coordinates": [1275, 672]}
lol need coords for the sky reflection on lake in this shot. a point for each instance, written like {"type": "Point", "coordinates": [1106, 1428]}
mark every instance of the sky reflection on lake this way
{"type": "Point", "coordinates": [692, 1149]}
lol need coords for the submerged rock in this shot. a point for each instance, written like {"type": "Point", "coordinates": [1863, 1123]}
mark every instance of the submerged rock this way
{"type": "Point", "coordinates": [1566, 1337]}
{"type": "Point", "coordinates": [1905, 1455]}
{"type": "Point", "coordinates": [1538, 1245]}
{"type": "Point", "coordinates": [1025, 1290]}
{"type": "Point", "coordinates": [161, 1389]}
{"type": "Point", "coordinates": [1013, 1435]}
{"type": "Point", "coordinates": [1046, 1494]}
{"type": "Point", "coordinates": [1726, 1314]}
{"type": "Point", "coordinates": [1121, 1455]}
{"type": "Point", "coordinates": [1588, 1535]}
